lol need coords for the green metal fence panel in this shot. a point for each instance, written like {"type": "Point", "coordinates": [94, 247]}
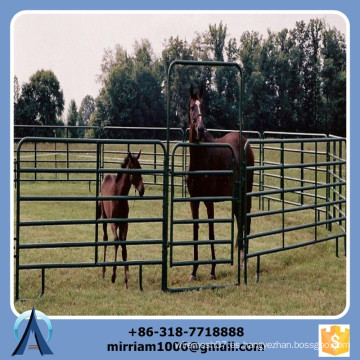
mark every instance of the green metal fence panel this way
{"type": "Point", "coordinates": [93, 220]}
{"type": "Point", "coordinates": [316, 201]}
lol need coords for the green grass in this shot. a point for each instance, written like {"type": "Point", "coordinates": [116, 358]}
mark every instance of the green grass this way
{"type": "Point", "coordinates": [305, 281]}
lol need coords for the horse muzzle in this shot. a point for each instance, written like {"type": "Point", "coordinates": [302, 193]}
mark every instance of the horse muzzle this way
{"type": "Point", "coordinates": [200, 133]}
{"type": "Point", "coordinates": [141, 189]}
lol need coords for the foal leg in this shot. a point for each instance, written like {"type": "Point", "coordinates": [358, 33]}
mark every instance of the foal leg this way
{"type": "Point", "coordinates": [116, 238]}
{"type": "Point", "coordinates": [239, 226]}
{"type": "Point", "coordinates": [195, 215]}
{"type": "Point", "coordinates": [123, 234]}
{"type": "Point", "coordinates": [105, 238]}
{"type": "Point", "coordinates": [210, 212]}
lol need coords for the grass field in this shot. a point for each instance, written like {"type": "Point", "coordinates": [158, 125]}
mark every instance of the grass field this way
{"type": "Point", "coordinates": [305, 281]}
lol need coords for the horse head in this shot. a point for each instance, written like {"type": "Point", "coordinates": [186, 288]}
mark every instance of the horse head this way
{"type": "Point", "coordinates": [132, 162]}
{"type": "Point", "coordinates": [196, 124]}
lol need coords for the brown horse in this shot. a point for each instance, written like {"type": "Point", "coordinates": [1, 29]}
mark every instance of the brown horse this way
{"type": "Point", "coordinates": [213, 158]}
{"type": "Point", "coordinates": [119, 185]}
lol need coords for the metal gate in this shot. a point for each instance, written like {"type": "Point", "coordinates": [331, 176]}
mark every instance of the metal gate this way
{"type": "Point", "coordinates": [177, 259]}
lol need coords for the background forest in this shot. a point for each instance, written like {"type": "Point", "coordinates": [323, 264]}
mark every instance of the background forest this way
{"type": "Point", "coordinates": [293, 80]}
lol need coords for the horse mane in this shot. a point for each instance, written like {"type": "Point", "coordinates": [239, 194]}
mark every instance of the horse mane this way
{"type": "Point", "coordinates": [123, 166]}
{"type": "Point", "coordinates": [125, 162]}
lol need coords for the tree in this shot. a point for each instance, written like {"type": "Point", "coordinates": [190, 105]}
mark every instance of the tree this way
{"type": "Point", "coordinates": [86, 110]}
{"type": "Point", "coordinates": [72, 119]}
{"type": "Point", "coordinates": [41, 101]}
{"type": "Point", "coordinates": [17, 90]}
{"type": "Point", "coordinates": [334, 82]}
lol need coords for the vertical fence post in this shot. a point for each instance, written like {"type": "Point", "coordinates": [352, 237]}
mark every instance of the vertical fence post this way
{"type": "Point", "coordinates": [35, 159]}
{"type": "Point", "coordinates": [172, 186]}
{"type": "Point", "coordinates": [17, 250]}
{"type": "Point", "coordinates": [245, 240]}
{"type": "Point", "coordinates": [282, 186]}
{"type": "Point", "coordinates": [97, 186]}
{"type": "Point", "coordinates": [316, 188]}
{"type": "Point", "coordinates": [340, 177]}
{"type": "Point", "coordinates": [67, 153]}
{"type": "Point", "coordinates": [327, 183]}
{"type": "Point", "coordinates": [334, 180]}
{"type": "Point", "coordinates": [262, 175]}
{"type": "Point", "coordinates": [302, 172]}
{"type": "Point", "coordinates": [155, 163]}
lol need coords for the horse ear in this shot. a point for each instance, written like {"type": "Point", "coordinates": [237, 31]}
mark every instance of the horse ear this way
{"type": "Point", "coordinates": [201, 91]}
{"type": "Point", "coordinates": [138, 155]}
{"type": "Point", "coordinates": [192, 91]}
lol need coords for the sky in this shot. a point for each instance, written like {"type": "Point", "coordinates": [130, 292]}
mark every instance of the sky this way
{"type": "Point", "coordinates": [72, 44]}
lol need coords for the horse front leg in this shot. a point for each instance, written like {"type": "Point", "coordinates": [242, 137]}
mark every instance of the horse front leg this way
{"type": "Point", "coordinates": [210, 212]}
{"type": "Point", "coordinates": [123, 235]}
{"type": "Point", "coordinates": [116, 238]}
{"type": "Point", "coordinates": [195, 215]}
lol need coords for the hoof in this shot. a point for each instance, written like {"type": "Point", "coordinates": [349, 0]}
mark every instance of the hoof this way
{"type": "Point", "coordinates": [192, 278]}
{"type": "Point", "coordinates": [212, 277]}
{"type": "Point", "coordinates": [113, 278]}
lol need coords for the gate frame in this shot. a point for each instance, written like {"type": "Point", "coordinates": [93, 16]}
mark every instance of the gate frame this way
{"type": "Point", "coordinates": [242, 163]}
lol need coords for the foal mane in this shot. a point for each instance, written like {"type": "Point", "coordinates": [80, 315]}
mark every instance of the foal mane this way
{"type": "Point", "coordinates": [123, 165]}
{"type": "Point", "coordinates": [125, 162]}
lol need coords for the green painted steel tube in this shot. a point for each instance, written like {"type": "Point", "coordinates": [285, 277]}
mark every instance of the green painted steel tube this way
{"type": "Point", "coordinates": [203, 198]}
{"type": "Point", "coordinates": [198, 288]}
{"type": "Point", "coordinates": [316, 192]}
{"type": "Point", "coordinates": [201, 242]}
{"type": "Point", "coordinates": [89, 264]}
{"type": "Point", "coordinates": [90, 198]}
{"type": "Point", "coordinates": [201, 262]}
{"type": "Point", "coordinates": [296, 166]}
{"type": "Point", "coordinates": [90, 222]}
{"type": "Point", "coordinates": [294, 228]}
{"type": "Point", "coordinates": [282, 186]}
{"type": "Point", "coordinates": [202, 221]}
{"type": "Point", "coordinates": [18, 215]}
{"type": "Point", "coordinates": [295, 246]}
{"type": "Point", "coordinates": [97, 191]}
{"type": "Point", "coordinates": [88, 244]}
{"type": "Point", "coordinates": [204, 172]}
{"type": "Point", "coordinates": [90, 171]}
{"type": "Point", "coordinates": [294, 209]}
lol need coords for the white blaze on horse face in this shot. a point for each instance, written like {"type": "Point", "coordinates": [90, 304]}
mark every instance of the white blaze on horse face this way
{"type": "Point", "coordinates": [197, 103]}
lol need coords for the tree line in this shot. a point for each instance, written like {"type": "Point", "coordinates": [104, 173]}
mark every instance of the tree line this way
{"type": "Point", "coordinates": [292, 80]}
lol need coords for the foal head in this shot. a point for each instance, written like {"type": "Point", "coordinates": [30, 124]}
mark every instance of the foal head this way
{"type": "Point", "coordinates": [132, 162]}
{"type": "Point", "coordinates": [196, 125]}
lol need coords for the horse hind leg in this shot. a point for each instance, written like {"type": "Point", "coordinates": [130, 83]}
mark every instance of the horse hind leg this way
{"type": "Point", "coordinates": [237, 243]}
{"type": "Point", "coordinates": [116, 238]}
{"type": "Point", "coordinates": [210, 213]}
{"type": "Point", "coordinates": [105, 238]}
{"type": "Point", "coordinates": [123, 235]}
